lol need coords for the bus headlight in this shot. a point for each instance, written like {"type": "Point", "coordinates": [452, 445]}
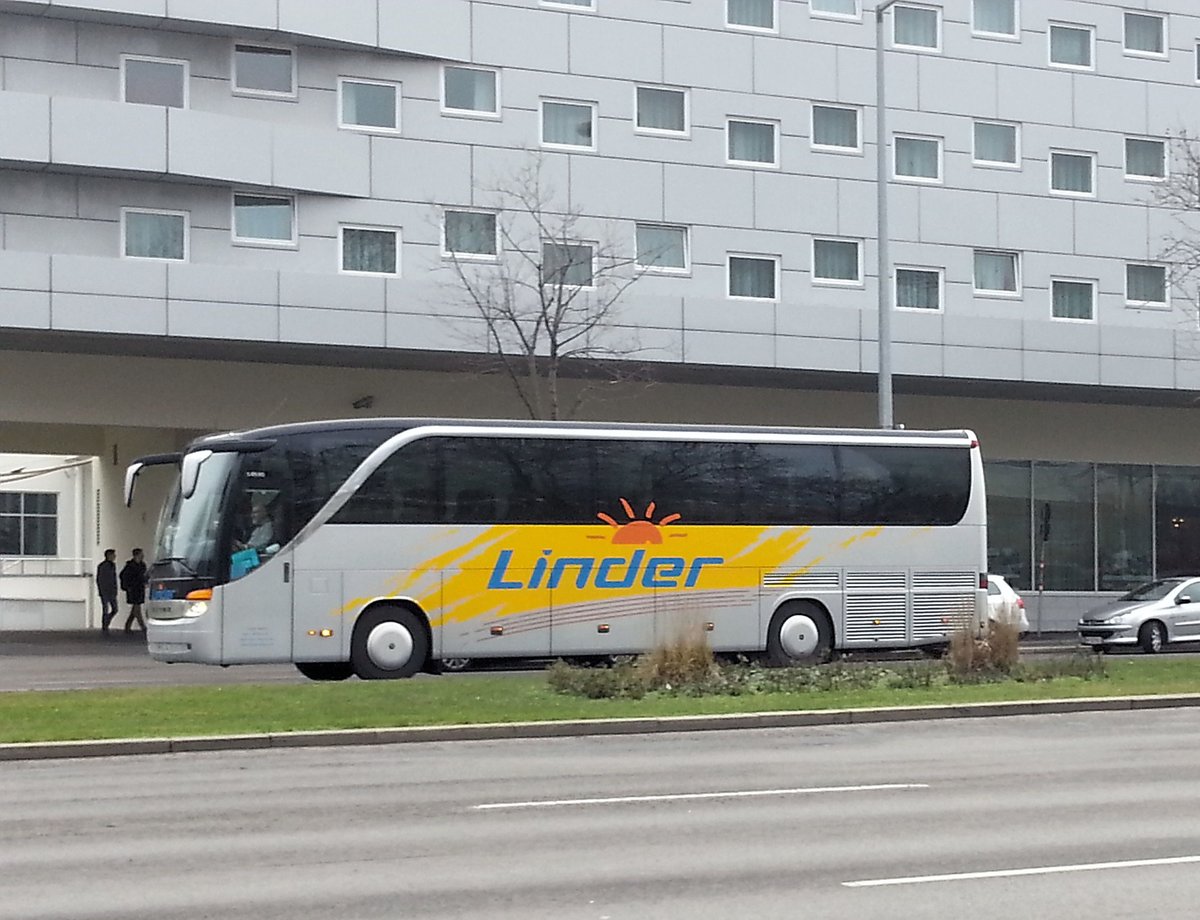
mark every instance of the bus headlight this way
{"type": "Point", "coordinates": [197, 609]}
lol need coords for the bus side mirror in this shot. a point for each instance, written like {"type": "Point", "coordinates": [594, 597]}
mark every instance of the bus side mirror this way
{"type": "Point", "coordinates": [189, 473]}
{"type": "Point", "coordinates": [131, 475]}
{"type": "Point", "coordinates": [136, 467]}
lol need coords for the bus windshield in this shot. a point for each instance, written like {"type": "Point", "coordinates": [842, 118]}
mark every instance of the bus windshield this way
{"type": "Point", "coordinates": [248, 505]}
{"type": "Point", "coordinates": [189, 530]}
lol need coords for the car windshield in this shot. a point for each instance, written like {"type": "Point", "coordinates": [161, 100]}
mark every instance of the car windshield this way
{"type": "Point", "coordinates": [1154, 591]}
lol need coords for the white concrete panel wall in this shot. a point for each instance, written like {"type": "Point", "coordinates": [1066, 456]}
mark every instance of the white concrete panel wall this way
{"type": "Point", "coordinates": [72, 156]}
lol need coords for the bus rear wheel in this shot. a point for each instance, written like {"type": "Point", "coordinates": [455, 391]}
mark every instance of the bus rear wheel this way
{"type": "Point", "coordinates": [800, 634]}
{"type": "Point", "coordinates": [388, 643]}
{"type": "Point", "coordinates": [325, 670]}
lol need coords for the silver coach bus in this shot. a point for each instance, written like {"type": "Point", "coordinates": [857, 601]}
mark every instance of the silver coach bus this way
{"type": "Point", "coordinates": [379, 547]}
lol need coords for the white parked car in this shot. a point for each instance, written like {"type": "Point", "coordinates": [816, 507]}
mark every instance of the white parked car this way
{"type": "Point", "coordinates": [1005, 605]}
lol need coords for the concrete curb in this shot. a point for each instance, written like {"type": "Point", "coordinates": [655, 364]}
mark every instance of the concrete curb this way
{"type": "Point", "coordinates": [55, 750]}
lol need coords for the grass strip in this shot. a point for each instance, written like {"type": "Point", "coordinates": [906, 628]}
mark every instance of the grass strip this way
{"type": "Point", "coordinates": [152, 712]}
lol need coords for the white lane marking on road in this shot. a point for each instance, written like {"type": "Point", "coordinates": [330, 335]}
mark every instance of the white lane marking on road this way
{"type": "Point", "coordinates": [692, 796]}
{"type": "Point", "coordinates": [1011, 873]}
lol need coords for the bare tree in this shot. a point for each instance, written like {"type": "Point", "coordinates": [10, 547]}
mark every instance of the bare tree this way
{"type": "Point", "coordinates": [548, 297]}
{"type": "Point", "coordinates": [1179, 193]}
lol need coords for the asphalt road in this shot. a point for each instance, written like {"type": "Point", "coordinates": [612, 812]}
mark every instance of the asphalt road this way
{"type": "Point", "coordinates": [1062, 816]}
{"type": "Point", "coordinates": [79, 661]}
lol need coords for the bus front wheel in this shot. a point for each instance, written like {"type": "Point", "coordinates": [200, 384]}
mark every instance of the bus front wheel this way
{"type": "Point", "coordinates": [800, 633]}
{"type": "Point", "coordinates": [325, 670]}
{"type": "Point", "coordinates": [388, 643]}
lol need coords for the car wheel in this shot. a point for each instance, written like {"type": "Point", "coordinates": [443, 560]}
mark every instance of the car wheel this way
{"type": "Point", "coordinates": [1152, 637]}
{"type": "Point", "coordinates": [325, 670]}
{"type": "Point", "coordinates": [800, 633]}
{"type": "Point", "coordinates": [388, 643]}
{"type": "Point", "coordinates": [455, 664]}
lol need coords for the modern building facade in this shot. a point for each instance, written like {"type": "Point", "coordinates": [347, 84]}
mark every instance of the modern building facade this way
{"type": "Point", "coordinates": [216, 213]}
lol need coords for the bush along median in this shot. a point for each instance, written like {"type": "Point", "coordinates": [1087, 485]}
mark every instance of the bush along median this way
{"type": "Point", "coordinates": [687, 667]}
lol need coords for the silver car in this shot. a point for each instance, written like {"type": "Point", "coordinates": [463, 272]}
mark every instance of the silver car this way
{"type": "Point", "coordinates": [1162, 611]}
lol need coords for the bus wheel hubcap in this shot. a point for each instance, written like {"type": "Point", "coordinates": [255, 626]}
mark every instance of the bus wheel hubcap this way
{"type": "Point", "coordinates": [390, 645]}
{"type": "Point", "coordinates": [798, 635]}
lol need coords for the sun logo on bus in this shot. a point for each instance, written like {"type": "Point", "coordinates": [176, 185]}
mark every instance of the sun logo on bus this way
{"type": "Point", "coordinates": [637, 532]}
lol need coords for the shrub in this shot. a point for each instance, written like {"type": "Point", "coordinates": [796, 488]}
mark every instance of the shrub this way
{"type": "Point", "coordinates": [687, 660]}
{"type": "Point", "coordinates": [974, 658]}
{"type": "Point", "coordinates": [914, 676]}
{"type": "Point", "coordinates": [620, 682]}
{"type": "Point", "coordinates": [1083, 665]}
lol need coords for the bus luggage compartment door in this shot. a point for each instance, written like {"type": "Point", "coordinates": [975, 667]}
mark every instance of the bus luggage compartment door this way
{"type": "Point", "coordinates": [256, 616]}
{"type": "Point", "coordinates": [321, 628]}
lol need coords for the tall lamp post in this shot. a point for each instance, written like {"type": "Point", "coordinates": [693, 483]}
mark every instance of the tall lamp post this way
{"type": "Point", "coordinates": [886, 418]}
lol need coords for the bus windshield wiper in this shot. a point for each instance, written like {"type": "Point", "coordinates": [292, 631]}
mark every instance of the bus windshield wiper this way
{"type": "Point", "coordinates": [182, 562]}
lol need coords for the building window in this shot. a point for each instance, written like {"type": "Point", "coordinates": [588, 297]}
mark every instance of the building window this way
{"type": "Point", "coordinates": [368, 105]}
{"type": "Point", "coordinates": [837, 262]}
{"type": "Point", "coordinates": [835, 128]}
{"type": "Point", "coordinates": [1176, 514]}
{"type": "Point", "coordinates": [370, 251]}
{"type": "Point", "coordinates": [1146, 35]}
{"type": "Point", "coordinates": [1072, 173]}
{"type": "Point", "coordinates": [918, 159]}
{"type": "Point", "coordinates": [919, 288]}
{"type": "Point", "coordinates": [1071, 46]}
{"type": "Point", "coordinates": [752, 143]}
{"type": "Point", "coordinates": [1146, 285]}
{"type": "Point", "coordinates": [917, 27]}
{"type": "Point", "coordinates": [154, 234]}
{"type": "Point", "coordinates": [568, 124]}
{"type": "Point", "coordinates": [1068, 490]}
{"type": "Point", "coordinates": [1145, 159]}
{"type": "Point", "coordinates": [996, 144]}
{"type": "Point", "coordinates": [997, 273]}
{"type": "Point", "coordinates": [154, 81]}
{"type": "Point", "coordinates": [758, 15]}
{"type": "Point", "coordinates": [1132, 514]}
{"type": "Point", "coordinates": [568, 265]}
{"type": "Point", "coordinates": [470, 235]}
{"type": "Point", "coordinates": [1074, 300]}
{"type": "Point", "coordinates": [661, 248]}
{"type": "Point", "coordinates": [470, 91]}
{"type": "Point", "coordinates": [264, 71]}
{"type": "Point", "coordinates": [264, 219]}
{"type": "Point", "coordinates": [753, 277]}
{"type": "Point", "coordinates": [28, 524]}
{"type": "Point", "coordinates": [840, 9]}
{"type": "Point", "coordinates": [661, 111]}
{"type": "Point", "coordinates": [995, 18]}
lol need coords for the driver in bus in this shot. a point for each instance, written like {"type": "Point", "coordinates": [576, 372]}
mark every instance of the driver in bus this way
{"type": "Point", "coordinates": [262, 532]}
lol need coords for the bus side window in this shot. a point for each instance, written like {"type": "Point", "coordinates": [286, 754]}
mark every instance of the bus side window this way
{"type": "Point", "coordinates": [474, 506]}
{"type": "Point", "coordinates": [402, 490]}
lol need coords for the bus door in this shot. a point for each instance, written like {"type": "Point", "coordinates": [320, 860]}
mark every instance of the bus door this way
{"type": "Point", "coordinates": [256, 604]}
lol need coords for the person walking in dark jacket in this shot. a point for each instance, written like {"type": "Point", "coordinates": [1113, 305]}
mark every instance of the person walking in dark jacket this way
{"type": "Point", "coordinates": [106, 584]}
{"type": "Point", "coordinates": [133, 583]}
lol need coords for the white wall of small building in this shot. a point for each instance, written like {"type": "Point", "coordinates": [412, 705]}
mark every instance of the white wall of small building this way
{"type": "Point", "coordinates": [52, 592]}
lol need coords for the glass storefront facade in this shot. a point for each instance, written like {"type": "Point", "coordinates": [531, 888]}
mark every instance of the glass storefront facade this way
{"type": "Point", "coordinates": [1091, 526]}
